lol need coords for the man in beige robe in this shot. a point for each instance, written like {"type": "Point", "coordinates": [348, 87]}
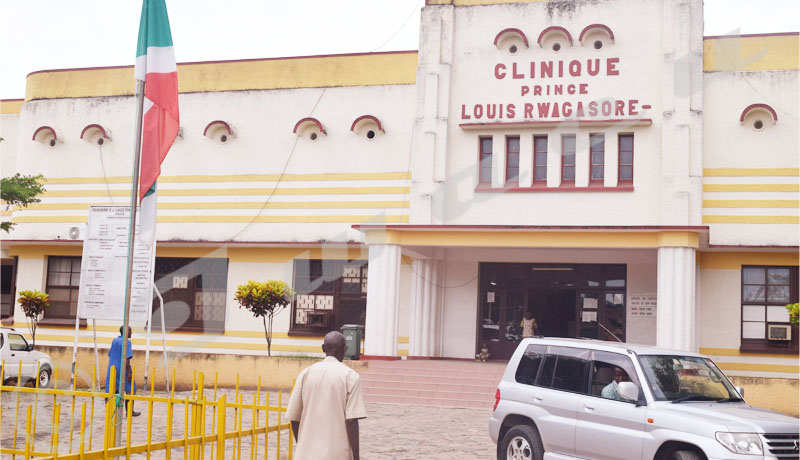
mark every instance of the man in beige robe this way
{"type": "Point", "coordinates": [325, 406]}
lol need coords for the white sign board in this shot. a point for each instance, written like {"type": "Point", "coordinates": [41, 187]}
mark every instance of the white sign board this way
{"type": "Point", "coordinates": [642, 304]}
{"type": "Point", "coordinates": [104, 268]}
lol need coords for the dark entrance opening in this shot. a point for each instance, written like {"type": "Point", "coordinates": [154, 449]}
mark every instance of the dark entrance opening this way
{"type": "Point", "coordinates": [567, 300]}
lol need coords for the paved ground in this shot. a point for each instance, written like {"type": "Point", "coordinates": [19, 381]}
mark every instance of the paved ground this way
{"type": "Point", "coordinates": [389, 432]}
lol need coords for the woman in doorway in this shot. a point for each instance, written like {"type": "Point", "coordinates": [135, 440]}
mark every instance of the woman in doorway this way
{"type": "Point", "coordinates": [529, 325]}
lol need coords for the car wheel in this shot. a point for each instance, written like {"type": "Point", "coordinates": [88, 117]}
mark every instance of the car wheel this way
{"type": "Point", "coordinates": [44, 378]}
{"type": "Point", "coordinates": [522, 442]}
{"type": "Point", "coordinates": [685, 455]}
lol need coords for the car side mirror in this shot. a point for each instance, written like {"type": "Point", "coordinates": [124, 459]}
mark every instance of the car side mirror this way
{"type": "Point", "coordinates": [30, 347]}
{"type": "Point", "coordinates": [628, 391]}
{"type": "Point", "coordinates": [740, 390]}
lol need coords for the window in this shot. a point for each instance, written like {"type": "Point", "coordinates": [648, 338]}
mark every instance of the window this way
{"type": "Point", "coordinates": [512, 159]}
{"type": "Point", "coordinates": [606, 368]}
{"type": "Point", "coordinates": [568, 158]}
{"type": "Point", "coordinates": [194, 292]}
{"type": "Point", "coordinates": [63, 282]}
{"type": "Point", "coordinates": [597, 152]}
{"type": "Point", "coordinates": [565, 369]}
{"type": "Point", "coordinates": [17, 342]}
{"type": "Point", "coordinates": [485, 159]}
{"type": "Point", "coordinates": [626, 157]}
{"type": "Point", "coordinates": [330, 293]}
{"type": "Point", "coordinates": [540, 160]}
{"type": "Point", "coordinates": [529, 364]}
{"type": "Point", "coordinates": [765, 292]}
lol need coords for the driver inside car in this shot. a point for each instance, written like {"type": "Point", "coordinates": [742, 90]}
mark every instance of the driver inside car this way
{"type": "Point", "coordinates": [610, 390]}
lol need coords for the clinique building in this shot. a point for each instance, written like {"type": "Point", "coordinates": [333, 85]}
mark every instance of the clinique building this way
{"type": "Point", "coordinates": [600, 164]}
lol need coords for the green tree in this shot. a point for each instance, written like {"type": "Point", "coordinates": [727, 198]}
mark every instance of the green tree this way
{"type": "Point", "coordinates": [33, 304]}
{"type": "Point", "coordinates": [265, 300]}
{"type": "Point", "coordinates": [19, 190]}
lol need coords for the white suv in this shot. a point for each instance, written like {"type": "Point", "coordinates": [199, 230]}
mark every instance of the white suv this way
{"type": "Point", "coordinates": [588, 399]}
{"type": "Point", "coordinates": [14, 349]}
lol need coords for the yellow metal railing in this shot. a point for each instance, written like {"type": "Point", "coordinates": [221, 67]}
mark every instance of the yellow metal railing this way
{"type": "Point", "coordinates": [211, 428]}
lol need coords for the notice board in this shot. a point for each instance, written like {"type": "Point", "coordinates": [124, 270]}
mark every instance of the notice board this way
{"type": "Point", "coordinates": [104, 268]}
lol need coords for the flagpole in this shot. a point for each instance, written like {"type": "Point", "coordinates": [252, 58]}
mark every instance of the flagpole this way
{"type": "Point", "coordinates": [131, 238]}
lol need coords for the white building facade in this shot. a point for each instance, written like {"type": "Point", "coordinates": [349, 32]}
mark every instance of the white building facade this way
{"type": "Point", "coordinates": [602, 165]}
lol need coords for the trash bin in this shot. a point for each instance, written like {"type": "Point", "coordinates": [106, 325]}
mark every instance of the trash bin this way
{"type": "Point", "coordinates": [352, 336]}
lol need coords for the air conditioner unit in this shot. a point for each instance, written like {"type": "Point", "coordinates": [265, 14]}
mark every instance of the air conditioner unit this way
{"type": "Point", "coordinates": [779, 332]}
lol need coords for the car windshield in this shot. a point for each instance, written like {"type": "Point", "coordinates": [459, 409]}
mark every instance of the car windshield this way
{"type": "Point", "coordinates": [686, 378]}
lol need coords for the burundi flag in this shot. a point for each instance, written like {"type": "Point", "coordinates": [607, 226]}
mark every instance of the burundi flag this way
{"type": "Point", "coordinates": [155, 65]}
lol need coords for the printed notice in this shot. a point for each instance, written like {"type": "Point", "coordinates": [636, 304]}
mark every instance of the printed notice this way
{"type": "Point", "coordinates": [104, 268]}
{"type": "Point", "coordinates": [642, 304]}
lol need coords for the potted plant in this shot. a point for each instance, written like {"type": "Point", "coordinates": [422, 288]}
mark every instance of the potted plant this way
{"type": "Point", "coordinates": [33, 304]}
{"type": "Point", "coordinates": [264, 300]}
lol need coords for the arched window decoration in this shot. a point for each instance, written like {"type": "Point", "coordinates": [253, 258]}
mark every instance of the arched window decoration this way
{"type": "Point", "coordinates": [47, 136]}
{"type": "Point", "coordinates": [555, 38]}
{"type": "Point", "coordinates": [96, 134]}
{"type": "Point", "coordinates": [756, 116]}
{"type": "Point", "coordinates": [511, 40]}
{"type": "Point", "coordinates": [219, 131]}
{"type": "Point", "coordinates": [367, 126]}
{"type": "Point", "coordinates": [309, 128]}
{"type": "Point", "coordinates": [596, 36]}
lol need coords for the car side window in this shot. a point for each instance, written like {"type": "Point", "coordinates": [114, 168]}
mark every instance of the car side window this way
{"type": "Point", "coordinates": [571, 369]}
{"type": "Point", "coordinates": [17, 342]}
{"type": "Point", "coordinates": [548, 370]}
{"type": "Point", "coordinates": [607, 371]}
{"type": "Point", "coordinates": [528, 366]}
{"type": "Point", "coordinates": [565, 369]}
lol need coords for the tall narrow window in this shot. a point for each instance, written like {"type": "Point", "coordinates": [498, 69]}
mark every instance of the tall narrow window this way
{"type": "Point", "coordinates": [597, 152]}
{"type": "Point", "coordinates": [486, 160]}
{"type": "Point", "coordinates": [540, 160]}
{"type": "Point", "coordinates": [512, 159]}
{"type": "Point", "coordinates": [626, 157]}
{"type": "Point", "coordinates": [63, 282]}
{"type": "Point", "coordinates": [568, 158]}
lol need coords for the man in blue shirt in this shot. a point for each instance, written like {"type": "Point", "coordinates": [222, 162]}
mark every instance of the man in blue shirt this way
{"type": "Point", "coordinates": [115, 360]}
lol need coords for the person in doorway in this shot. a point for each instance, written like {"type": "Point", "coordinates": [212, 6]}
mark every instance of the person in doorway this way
{"type": "Point", "coordinates": [325, 406]}
{"type": "Point", "coordinates": [610, 390]}
{"type": "Point", "coordinates": [529, 325]}
{"type": "Point", "coordinates": [115, 361]}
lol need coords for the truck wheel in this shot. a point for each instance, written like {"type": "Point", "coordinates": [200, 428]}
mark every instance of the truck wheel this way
{"type": "Point", "coordinates": [44, 378]}
{"type": "Point", "coordinates": [685, 455]}
{"type": "Point", "coordinates": [521, 442]}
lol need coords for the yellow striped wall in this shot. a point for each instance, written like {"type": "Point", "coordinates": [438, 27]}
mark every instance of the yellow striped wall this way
{"type": "Point", "coordinates": [257, 198]}
{"type": "Point", "coordinates": [228, 342]}
{"type": "Point", "coordinates": [751, 195]}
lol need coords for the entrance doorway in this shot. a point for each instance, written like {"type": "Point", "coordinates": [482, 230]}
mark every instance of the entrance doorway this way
{"type": "Point", "coordinates": [567, 300]}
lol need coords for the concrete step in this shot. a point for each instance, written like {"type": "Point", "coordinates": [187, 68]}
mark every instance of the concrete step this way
{"type": "Point", "coordinates": [403, 379]}
{"type": "Point", "coordinates": [432, 394]}
{"type": "Point", "coordinates": [432, 383]}
{"type": "Point", "coordinates": [426, 401]}
{"type": "Point", "coordinates": [445, 386]}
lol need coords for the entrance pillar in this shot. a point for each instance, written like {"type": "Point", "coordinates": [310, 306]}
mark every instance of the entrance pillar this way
{"type": "Point", "coordinates": [676, 325]}
{"type": "Point", "coordinates": [425, 337]}
{"type": "Point", "coordinates": [383, 289]}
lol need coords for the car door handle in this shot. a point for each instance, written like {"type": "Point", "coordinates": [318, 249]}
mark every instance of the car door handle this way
{"type": "Point", "coordinates": [589, 407]}
{"type": "Point", "coordinates": [537, 398]}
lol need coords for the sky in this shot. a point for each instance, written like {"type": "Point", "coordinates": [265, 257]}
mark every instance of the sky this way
{"type": "Point", "coordinates": [55, 34]}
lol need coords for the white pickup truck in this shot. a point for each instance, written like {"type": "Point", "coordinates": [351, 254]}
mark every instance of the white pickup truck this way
{"type": "Point", "coordinates": [14, 349]}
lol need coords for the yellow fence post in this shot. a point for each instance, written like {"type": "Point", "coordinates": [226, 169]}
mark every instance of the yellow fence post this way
{"type": "Point", "coordinates": [16, 411]}
{"type": "Point", "coordinates": [221, 410]}
{"type": "Point", "coordinates": [266, 423]}
{"type": "Point", "coordinates": [28, 434]}
{"type": "Point", "coordinates": [56, 423]}
{"type": "Point", "coordinates": [280, 408]}
{"type": "Point", "coordinates": [82, 445]}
